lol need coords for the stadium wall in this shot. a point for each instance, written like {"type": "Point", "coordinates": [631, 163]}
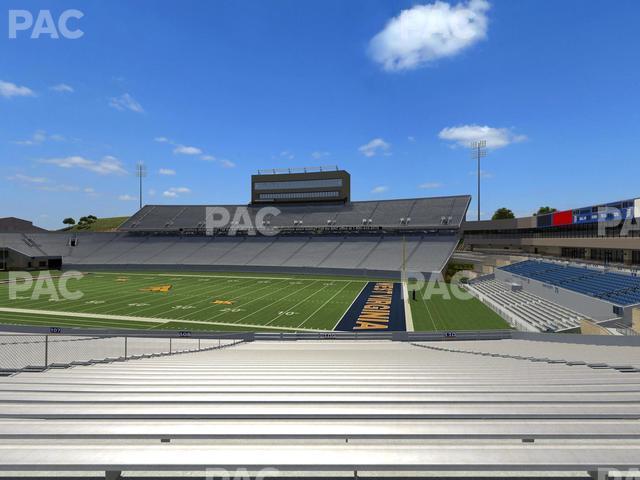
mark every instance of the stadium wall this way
{"type": "Point", "coordinates": [238, 269]}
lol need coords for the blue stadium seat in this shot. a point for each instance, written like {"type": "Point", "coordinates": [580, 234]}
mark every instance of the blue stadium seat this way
{"type": "Point", "coordinates": [613, 287]}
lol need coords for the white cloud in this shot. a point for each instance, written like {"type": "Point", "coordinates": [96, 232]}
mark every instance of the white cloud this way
{"type": "Point", "coordinates": [411, 138]}
{"type": "Point", "coordinates": [175, 192]}
{"type": "Point", "coordinates": [287, 155]}
{"type": "Point", "coordinates": [380, 189]}
{"type": "Point", "coordinates": [62, 88]}
{"type": "Point", "coordinates": [127, 198]}
{"type": "Point", "coordinates": [46, 185]}
{"type": "Point", "coordinates": [425, 33]}
{"type": "Point", "coordinates": [125, 102]}
{"type": "Point", "coordinates": [166, 171]}
{"type": "Point", "coordinates": [227, 163]}
{"type": "Point", "coordinates": [89, 190]}
{"type": "Point", "coordinates": [26, 178]}
{"type": "Point", "coordinates": [187, 150]}
{"type": "Point", "coordinates": [39, 137]}
{"type": "Point", "coordinates": [9, 90]}
{"type": "Point", "coordinates": [180, 149]}
{"type": "Point", "coordinates": [430, 185]}
{"type": "Point", "coordinates": [375, 147]}
{"type": "Point", "coordinates": [317, 155]}
{"type": "Point", "coordinates": [59, 188]}
{"type": "Point", "coordinates": [106, 166]}
{"type": "Point", "coordinates": [495, 137]}
{"type": "Point", "coordinates": [224, 163]}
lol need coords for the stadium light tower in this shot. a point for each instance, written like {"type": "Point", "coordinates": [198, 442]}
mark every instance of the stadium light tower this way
{"type": "Point", "coordinates": [478, 150]}
{"type": "Point", "coordinates": [141, 172]}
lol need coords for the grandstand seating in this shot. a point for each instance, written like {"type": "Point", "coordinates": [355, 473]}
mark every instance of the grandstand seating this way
{"type": "Point", "coordinates": [355, 253]}
{"type": "Point", "coordinates": [342, 406]}
{"type": "Point", "coordinates": [612, 287]}
{"type": "Point", "coordinates": [541, 314]}
{"type": "Point", "coordinates": [621, 358]}
{"type": "Point", "coordinates": [421, 212]}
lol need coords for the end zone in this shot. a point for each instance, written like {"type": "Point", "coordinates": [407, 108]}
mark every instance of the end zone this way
{"type": "Point", "coordinates": [379, 307]}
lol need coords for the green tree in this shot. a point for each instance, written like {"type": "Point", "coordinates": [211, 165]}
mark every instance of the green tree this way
{"type": "Point", "coordinates": [69, 221]}
{"type": "Point", "coordinates": [545, 210]}
{"type": "Point", "coordinates": [502, 214]}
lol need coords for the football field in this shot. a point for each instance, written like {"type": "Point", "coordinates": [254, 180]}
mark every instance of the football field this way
{"type": "Point", "coordinates": [187, 301]}
{"type": "Point", "coordinates": [228, 302]}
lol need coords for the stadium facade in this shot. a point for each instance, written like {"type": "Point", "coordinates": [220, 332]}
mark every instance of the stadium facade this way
{"type": "Point", "coordinates": [603, 233]}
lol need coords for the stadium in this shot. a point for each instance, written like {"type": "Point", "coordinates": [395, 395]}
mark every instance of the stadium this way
{"type": "Point", "coordinates": [290, 341]}
{"type": "Point", "coordinates": [227, 311]}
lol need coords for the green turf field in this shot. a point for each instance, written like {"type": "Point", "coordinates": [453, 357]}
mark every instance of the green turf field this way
{"type": "Point", "coordinates": [223, 302]}
{"type": "Point", "coordinates": [441, 313]}
{"type": "Point", "coordinates": [192, 301]}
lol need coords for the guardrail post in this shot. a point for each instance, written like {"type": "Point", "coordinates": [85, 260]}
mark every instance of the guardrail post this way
{"type": "Point", "coordinates": [219, 342]}
{"type": "Point", "coordinates": [46, 350]}
{"type": "Point", "coordinates": [170, 344]}
{"type": "Point", "coordinates": [198, 344]}
{"type": "Point", "coordinates": [125, 347]}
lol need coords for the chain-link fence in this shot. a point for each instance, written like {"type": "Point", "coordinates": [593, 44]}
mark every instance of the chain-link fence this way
{"type": "Point", "coordinates": [38, 352]}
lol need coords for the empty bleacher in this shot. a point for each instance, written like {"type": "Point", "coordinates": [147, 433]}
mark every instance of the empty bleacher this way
{"type": "Point", "coordinates": [420, 213]}
{"type": "Point", "coordinates": [357, 408]}
{"type": "Point", "coordinates": [616, 288]}
{"type": "Point", "coordinates": [353, 254]}
{"type": "Point", "coordinates": [541, 314]}
{"type": "Point", "coordinates": [371, 237]}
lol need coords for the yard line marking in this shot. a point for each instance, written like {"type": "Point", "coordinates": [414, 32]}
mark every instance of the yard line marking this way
{"type": "Point", "coordinates": [90, 293]}
{"type": "Point", "coordinates": [324, 304]}
{"type": "Point", "coordinates": [198, 292]}
{"type": "Point", "coordinates": [91, 322]}
{"type": "Point", "coordinates": [408, 317]}
{"type": "Point", "coordinates": [294, 306]}
{"type": "Point", "coordinates": [237, 298]}
{"type": "Point", "coordinates": [144, 319]}
{"type": "Point", "coordinates": [350, 305]}
{"type": "Point", "coordinates": [273, 303]}
{"type": "Point", "coordinates": [435, 327]}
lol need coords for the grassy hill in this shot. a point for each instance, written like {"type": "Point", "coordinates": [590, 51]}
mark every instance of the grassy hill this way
{"type": "Point", "coordinates": [100, 225]}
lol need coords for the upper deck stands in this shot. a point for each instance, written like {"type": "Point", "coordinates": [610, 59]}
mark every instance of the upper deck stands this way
{"type": "Point", "coordinates": [435, 212]}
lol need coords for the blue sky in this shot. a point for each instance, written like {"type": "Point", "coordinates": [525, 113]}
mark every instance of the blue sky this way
{"type": "Point", "coordinates": [207, 92]}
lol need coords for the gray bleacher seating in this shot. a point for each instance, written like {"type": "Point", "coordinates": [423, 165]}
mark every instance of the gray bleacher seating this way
{"type": "Point", "coordinates": [538, 312]}
{"type": "Point", "coordinates": [330, 406]}
{"type": "Point", "coordinates": [422, 212]}
{"type": "Point", "coordinates": [353, 254]}
{"type": "Point", "coordinates": [160, 235]}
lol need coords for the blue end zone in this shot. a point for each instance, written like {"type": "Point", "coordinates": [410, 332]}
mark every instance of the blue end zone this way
{"type": "Point", "coordinates": [378, 308]}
